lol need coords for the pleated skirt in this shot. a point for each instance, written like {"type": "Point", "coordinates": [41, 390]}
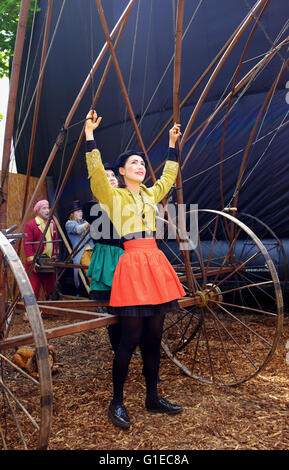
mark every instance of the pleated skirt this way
{"type": "Point", "coordinates": [144, 281]}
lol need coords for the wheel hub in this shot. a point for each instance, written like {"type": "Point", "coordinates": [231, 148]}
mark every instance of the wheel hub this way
{"type": "Point", "coordinates": [210, 295]}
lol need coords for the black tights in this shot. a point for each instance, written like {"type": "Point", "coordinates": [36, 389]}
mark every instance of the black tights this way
{"type": "Point", "coordinates": [147, 333]}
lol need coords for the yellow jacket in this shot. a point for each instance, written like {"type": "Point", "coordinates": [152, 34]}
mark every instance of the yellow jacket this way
{"type": "Point", "coordinates": [128, 211]}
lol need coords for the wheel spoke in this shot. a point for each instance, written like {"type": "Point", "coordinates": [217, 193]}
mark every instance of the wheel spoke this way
{"type": "Point", "coordinates": [249, 309]}
{"type": "Point", "coordinates": [224, 349]}
{"type": "Point", "coordinates": [245, 325]}
{"type": "Point", "coordinates": [21, 371]}
{"type": "Point", "coordinates": [15, 420]}
{"type": "Point", "coordinates": [238, 330]}
{"type": "Point", "coordinates": [7, 390]}
{"type": "Point", "coordinates": [247, 286]}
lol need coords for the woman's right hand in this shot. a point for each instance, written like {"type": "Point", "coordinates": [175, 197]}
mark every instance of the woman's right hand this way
{"type": "Point", "coordinates": [91, 123]}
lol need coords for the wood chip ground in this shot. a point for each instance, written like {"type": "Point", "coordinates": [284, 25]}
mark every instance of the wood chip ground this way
{"type": "Point", "coordinates": [250, 416]}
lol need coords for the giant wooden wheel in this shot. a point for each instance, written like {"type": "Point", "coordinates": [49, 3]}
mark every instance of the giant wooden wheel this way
{"type": "Point", "coordinates": [236, 292]}
{"type": "Point", "coordinates": [26, 400]}
{"type": "Point", "coordinates": [215, 337]}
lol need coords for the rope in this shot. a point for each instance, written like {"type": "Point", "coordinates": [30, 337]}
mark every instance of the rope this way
{"type": "Point", "coordinates": [146, 59]}
{"type": "Point", "coordinates": [234, 154]}
{"type": "Point", "coordinates": [165, 72]}
{"type": "Point", "coordinates": [66, 132]}
{"type": "Point", "coordinates": [240, 95]}
{"type": "Point", "coordinates": [265, 32]}
{"type": "Point", "coordinates": [91, 54]}
{"type": "Point", "coordinates": [27, 62]}
{"type": "Point", "coordinates": [264, 152]}
{"type": "Point", "coordinates": [41, 72]}
{"type": "Point", "coordinates": [131, 70]}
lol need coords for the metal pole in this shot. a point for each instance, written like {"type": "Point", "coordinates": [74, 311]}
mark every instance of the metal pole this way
{"type": "Point", "coordinates": [215, 73]}
{"type": "Point", "coordinates": [123, 87]}
{"type": "Point", "coordinates": [70, 116]}
{"type": "Point", "coordinates": [37, 102]}
{"type": "Point", "coordinates": [176, 114]}
{"type": "Point", "coordinates": [16, 64]}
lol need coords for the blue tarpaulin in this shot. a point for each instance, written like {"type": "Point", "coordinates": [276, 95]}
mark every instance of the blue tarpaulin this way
{"type": "Point", "coordinates": [145, 56]}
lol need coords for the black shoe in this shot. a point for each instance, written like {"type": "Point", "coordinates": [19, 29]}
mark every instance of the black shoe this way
{"type": "Point", "coordinates": [161, 405]}
{"type": "Point", "coordinates": [118, 415]}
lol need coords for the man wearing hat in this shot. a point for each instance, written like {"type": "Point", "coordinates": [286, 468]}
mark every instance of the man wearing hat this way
{"type": "Point", "coordinates": [76, 227]}
{"type": "Point", "coordinates": [49, 248]}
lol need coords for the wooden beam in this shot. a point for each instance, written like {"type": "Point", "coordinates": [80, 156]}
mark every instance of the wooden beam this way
{"type": "Point", "coordinates": [74, 304]}
{"type": "Point", "coordinates": [65, 330]}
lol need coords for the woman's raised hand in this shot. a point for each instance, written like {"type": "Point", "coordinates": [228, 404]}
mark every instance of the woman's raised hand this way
{"type": "Point", "coordinates": [92, 122]}
{"type": "Point", "coordinates": [174, 134]}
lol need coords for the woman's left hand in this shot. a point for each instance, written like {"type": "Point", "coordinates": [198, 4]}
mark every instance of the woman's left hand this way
{"type": "Point", "coordinates": [174, 133]}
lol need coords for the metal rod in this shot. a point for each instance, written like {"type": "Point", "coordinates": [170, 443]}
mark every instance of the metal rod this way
{"type": "Point", "coordinates": [238, 87]}
{"type": "Point", "coordinates": [122, 85]}
{"type": "Point", "coordinates": [60, 138]}
{"type": "Point", "coordinates": [20, 405]}
{"type": "Point", "coordinates": [215, 73]}
{"type": "Point", "coordinates": [253, 132]}
{"type": "Point", "coordinates": [70, 116]}
{"type": "Point", "coordinates": [16, 64]}
{"type": "Point", "coordinates": [16, 420]}
{"type": "Point", "coordinates": [196, 85]}
{"type": "Point", "coordinates": [37, 102]}
{"type": "Point", "coordinates": [237, 73]}
{"type": "Point", "coordinates": [176, 108]}
{"type": "Point", "coordinates": [48, 241]}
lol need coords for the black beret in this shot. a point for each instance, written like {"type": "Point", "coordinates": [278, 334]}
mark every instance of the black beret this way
{"type": "Point", "coordinates": [109, 166]}
{"type": "Point", "coordinates": [122, 158]}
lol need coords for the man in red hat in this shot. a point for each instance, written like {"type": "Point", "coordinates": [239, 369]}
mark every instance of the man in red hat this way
{"type": "Point", "coordinates": [40, 276]}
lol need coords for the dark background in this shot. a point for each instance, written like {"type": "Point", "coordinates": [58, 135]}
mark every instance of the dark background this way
{"type": "Point", "coordinates": [144, 54]}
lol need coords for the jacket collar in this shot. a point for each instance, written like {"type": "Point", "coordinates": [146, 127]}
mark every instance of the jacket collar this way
{"type": "Point", "coordinates": [142, 198]}
{"type": "Point", "coordinates": [42, 224]}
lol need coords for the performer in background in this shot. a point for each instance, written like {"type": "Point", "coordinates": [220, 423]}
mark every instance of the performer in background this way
{"type": "Point", "coordinates": [145, 286]}
{"type": "Point", "coordinates": [49, 251]}
{"type": "Point", "coordinates": [76, 227]}
{"type": "Point", "coordinates": [106, 253]}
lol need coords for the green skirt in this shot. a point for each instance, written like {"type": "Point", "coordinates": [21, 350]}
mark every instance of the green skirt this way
{"type": "Point", "coordinates": [102, 266]}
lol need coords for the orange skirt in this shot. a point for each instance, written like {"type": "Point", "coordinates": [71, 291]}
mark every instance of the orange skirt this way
{"type": "Point", "coordinates": [144, 276]}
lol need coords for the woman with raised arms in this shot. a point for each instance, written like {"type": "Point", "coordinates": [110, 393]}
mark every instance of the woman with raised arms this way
{"type": "Point", "coordinates": [145, 286]}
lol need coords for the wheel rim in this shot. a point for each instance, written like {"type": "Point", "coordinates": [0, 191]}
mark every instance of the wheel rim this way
{"type": "Point", "coordinates": [233, 332]}
{"type": "Point", "coordinates": [26, 402]}
{"type": "Point", "coordinates": [272, 243]}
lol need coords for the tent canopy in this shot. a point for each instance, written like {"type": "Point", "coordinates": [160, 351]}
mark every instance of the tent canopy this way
{"type": "Point", "coordinates": [145, 56]}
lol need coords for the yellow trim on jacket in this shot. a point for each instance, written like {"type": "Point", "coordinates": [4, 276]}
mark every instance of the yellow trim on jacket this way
{"type": "Point", "coordinates": [128, 211]}
{"type": "Point", "coordinates": [48, 236]}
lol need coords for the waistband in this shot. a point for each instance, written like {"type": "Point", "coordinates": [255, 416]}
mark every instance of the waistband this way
{"type": "Point", "coordinates": [141, 243]}
{"type": "Point", "coordinates": [138, 235]}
